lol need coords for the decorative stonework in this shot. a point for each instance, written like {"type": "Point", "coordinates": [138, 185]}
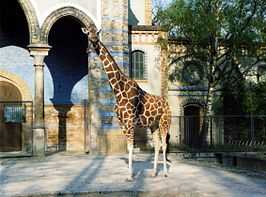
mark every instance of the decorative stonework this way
{"type": "Point", "coordinates": [144, 35]}
{"type": "Point", "coordinates": [83, 19]}
{"type": "Point", "coordinates": [194, 101]}
{"type": "Point", "coordinates": [18, 82]}
{"type": "Point", "coordinates": [30, 14]}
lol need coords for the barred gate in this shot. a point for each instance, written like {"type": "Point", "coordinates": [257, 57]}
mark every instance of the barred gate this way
{"type": "Point", "coordinates": [16, 128]}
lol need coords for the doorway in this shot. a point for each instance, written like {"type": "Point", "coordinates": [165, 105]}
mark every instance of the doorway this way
{"type": "Point", "coordinates": [191, 125]}
{"type": "Point", "coordinates": [10, 132]}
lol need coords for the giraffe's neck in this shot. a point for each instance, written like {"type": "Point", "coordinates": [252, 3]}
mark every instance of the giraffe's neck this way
{"type": "Point", "coordinates": [111, 69]}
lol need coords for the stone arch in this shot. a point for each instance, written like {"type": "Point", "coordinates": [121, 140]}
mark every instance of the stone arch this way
{"type": "Point", "coordinates": [192, 101]}
{"type": "Point", "coordinates": [81, 17]}
{"type": "Point", "coordinates": [18, 82]}
{"type": "Point", "coordinates": [30, 14]}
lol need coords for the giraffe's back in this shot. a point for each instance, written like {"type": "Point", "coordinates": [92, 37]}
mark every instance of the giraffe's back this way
{"type": "Point", "coordinates": [151, 110]}
{"type": "Point", "coordinates": [145, 109]}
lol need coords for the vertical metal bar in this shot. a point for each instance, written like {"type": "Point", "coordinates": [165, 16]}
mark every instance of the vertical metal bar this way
{"type": "Point", "coordinates": [85, 127]}
{"type": "Point", "coordinates": [180, 130]}
{"type": "Point", "coordinates": [251, 127]}
{"type": "Point", "coordinates": [220, 130]}
{"type": "Point", "coordinates": [187, 130]}
{"type": "Point", "coordinates": [211, 137]}
{"type": "Point", "coordinates": [31, 126]}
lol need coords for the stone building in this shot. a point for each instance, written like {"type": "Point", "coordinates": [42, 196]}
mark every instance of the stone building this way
{"type": "Point", "coordinates": [46, 59]}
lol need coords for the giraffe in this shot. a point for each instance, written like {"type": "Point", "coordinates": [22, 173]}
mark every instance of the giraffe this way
{"type": "Point", "coordinates": [134, 107]}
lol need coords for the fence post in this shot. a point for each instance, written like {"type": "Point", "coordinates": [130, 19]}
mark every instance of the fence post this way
{"type": "Point", "coordinates": [211, 137]}
{"type": "Point", "coordinates": [180, 130]}
{"type": "Point", "coordinates": [85, 124]}
{"type": "Point", "coordinates": [220, 130]}
{"type": "Point", "coordinates": [252, 127]}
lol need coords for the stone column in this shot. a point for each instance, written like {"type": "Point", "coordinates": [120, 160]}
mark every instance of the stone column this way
{"type": "Point", "coordinates": [38, 52]}
{"type": "Point", "coordinates": [114, 19]}
{"type": "Point", "coordinates": [94, 86]}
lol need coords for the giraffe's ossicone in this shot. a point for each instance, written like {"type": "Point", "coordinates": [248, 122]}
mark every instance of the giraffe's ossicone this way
{"type": "Point", "coordinates": [134, 107]}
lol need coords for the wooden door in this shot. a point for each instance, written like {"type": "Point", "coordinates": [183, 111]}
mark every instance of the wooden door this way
{"type": "Point", "coordinates": [10, 133]}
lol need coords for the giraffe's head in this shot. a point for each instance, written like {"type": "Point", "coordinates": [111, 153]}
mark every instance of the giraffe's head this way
{"type": "Point", "coordinates": [92, 34]}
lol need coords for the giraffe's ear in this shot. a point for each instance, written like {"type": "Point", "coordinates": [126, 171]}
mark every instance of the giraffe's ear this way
{"type": "Point", "coordinates": [84, 30]}
{"type": "Point", "coordinates": [99, 32]}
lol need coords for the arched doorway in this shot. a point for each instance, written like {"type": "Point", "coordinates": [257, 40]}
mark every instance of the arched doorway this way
{"type": "Point", "coordinates": [67, 60]}
{"type": "Point", "coordinates": [68, 65]}
{"type": "Point", "coordinates": [191, 125]}
{"type": "Point", "coordinates": [13, 25]}
{"type": "Point", "coordinates": [10, 132]}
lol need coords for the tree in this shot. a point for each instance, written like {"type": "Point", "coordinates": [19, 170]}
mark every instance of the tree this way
{"type": "Point", "coordinates": [222, 35]}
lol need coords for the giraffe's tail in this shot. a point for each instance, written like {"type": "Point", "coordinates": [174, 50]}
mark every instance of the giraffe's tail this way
{"type": "Point", "coordinates": [167, 149]}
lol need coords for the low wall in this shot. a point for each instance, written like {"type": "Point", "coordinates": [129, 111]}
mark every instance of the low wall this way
{"type": "Point", "coordinates": [64, 127]}
{"type": "Point", "coordinates": [241, 161]}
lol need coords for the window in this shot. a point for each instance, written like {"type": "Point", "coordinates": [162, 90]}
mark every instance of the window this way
{"type": "Point", "coordinates": [138, 65]}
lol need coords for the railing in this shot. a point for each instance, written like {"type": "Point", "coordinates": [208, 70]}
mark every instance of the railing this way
{"type": "Point", "coordinates": [228, 132]}
{"type": "Point", "coordinates": [224, 132]}
{"type": "Point", "coordinates": [16, 124]}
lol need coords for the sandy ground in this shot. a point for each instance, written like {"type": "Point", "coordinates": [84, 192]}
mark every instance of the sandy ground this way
{"type": "Point", "coordinates": [78, 174]}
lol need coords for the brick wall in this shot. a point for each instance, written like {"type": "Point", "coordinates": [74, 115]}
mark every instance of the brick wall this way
{"type": "Point", "coordinates": [105, 131]}
{"type": "Point", "coordinates": [64, 127]}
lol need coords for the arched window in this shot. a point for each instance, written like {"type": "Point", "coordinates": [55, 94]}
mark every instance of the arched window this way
{"type": "Point", "coordinates": [137, 65]}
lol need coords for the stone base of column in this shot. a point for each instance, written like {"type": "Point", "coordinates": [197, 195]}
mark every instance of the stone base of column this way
{"type": "Point", "coordinates": [38, 142]}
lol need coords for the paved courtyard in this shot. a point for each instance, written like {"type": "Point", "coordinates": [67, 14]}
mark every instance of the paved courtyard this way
{"type": "Point", "coordinates": [85, 175]}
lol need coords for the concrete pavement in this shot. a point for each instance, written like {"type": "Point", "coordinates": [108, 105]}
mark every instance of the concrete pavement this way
{"type": "Point", "coordinates": [73, 174]}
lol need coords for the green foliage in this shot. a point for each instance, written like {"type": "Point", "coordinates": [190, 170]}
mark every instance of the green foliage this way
{"type": "Point", "coordinates": [221, 33]}
{"type": "Point", "coordinates": [245, 97]}
{"type": "Point", "coordinates": [255, 98]}
{"type": "Point", "coordinates": [198, 20]}
{"type": "Point", "coordinates": [226, 37]}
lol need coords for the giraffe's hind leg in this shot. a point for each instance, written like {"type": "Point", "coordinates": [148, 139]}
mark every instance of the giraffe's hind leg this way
{"type": "Point", "coordinates": [164, 146]}
{"type": "Point", "coordinates": [157, 146]}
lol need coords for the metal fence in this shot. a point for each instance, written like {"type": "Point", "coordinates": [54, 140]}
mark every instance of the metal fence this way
{"type": "Point", "coordinates": [230, 132]}
{"type": "Point", "coordinates": [87, 124]}
{"type": "Point", "coordinates": [212, 132]}
{"type": "Point", "coordinates": [16, 128]}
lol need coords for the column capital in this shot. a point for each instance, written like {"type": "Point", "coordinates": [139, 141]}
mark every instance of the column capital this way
{"type": "Point", "coordinates": [39, 52]}
{"type": "Point", "coordinates": [39, 49]}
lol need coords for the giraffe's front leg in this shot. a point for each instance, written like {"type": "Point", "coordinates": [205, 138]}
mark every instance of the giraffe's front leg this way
{"type": "Point", "coordinates": [164, 145]}
{"type": "Point", "coordinates": [130, 163]}
{"type": "Point", "coordinates": [130, 145]}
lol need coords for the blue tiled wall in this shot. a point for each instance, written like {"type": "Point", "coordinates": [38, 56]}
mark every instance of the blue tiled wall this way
{"type": "Point", "coordinates": [66, 66]}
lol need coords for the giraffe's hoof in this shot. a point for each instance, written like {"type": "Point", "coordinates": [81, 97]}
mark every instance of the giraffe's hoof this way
{"type": "Point", "coordinates": [153, 175]}
{"type": "Point", "coordinates": [130, 179]}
